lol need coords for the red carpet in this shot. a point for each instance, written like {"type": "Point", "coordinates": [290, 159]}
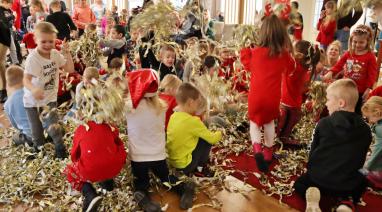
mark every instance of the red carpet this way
{"type": "Point", "coordinates": [246, 163]}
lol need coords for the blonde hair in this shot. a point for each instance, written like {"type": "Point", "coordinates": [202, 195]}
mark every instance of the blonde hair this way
{"type": "Point", "coordinates": [38, 4]}
{"type": "Point", "coordinates": [55, 4]}
{"type": "Point", "coordinates": [333, 6]}
{"type": "Point", "coordinates": [338, 44]}
{"type": "Point", "coordinates": [361, 30]}
{"type": "Point", "coordinates": [14, 75]}
{"type": "Point", "coordinates": [185, 92]}
{"type": "Point", "coordinates": [90, 73]}
{"type": "Point", "coordinates": [45, 27]}
{"type": "Point", "coordinates": [170, 82]}
{"type": "Point", "coordinates": [7, 1]}
{"type": "Point", "coordinates": [373, 106]}
{"type": "Point", "coordinates": [158, 104]}
{"type": "Point", "coordinates": [345, 89]}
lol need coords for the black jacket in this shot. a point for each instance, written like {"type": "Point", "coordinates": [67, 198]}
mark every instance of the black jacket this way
{"type": "Point", "coordinates": [63, 23]}
{"type": "Point", "coordinates": [6, 22]}
{"type": "Point", "coordinates": [338, 151]}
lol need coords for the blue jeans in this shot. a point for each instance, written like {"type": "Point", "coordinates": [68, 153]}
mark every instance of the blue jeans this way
{"type": "Point", "coordinates": [343, 37]}
{"type": "Point", "coordinates": [379, 38]}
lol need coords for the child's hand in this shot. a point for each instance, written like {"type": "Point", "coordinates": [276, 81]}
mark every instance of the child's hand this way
{"type": "Point", "coordinates": [365, 95]}
{"type": "Point", "coordinates": [38, 93]}
{"type": "Point", "coordinates": [328, 76]}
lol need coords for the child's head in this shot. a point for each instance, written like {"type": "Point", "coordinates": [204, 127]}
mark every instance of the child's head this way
{"type": "Point", "coordinates": [307, 54]}
{"type": "Point", "coordinates": [114, 8]}
{"type": "Point", "coordinates": [225, 53]}
{"type": "Point", "coordinates": [204, 49]}
{"type": "Point", "coordinates": [117, 32]}
{"type": "Point", "coordinates": [294, 5]}
{"type": "Point", "coordinates": [330, 7]}
{"type": "Point", "coordinates": [90, 73]}
{"type": "Point", "coordinates": [372, 109]}
{"type": "Point", "coordinates": [115, 64]}
{"type": "Point", "coordinates": [91, 28]}
{"type": "Point", "coordinates": [167, 55]}
{"type": "Point", "coordinates": [36, 6]}
{"type": "Point", "coordinates": [55, 5]}
{"type": "Point", "coordinates": [45, 36]}
{"type": "Point", "coordinates": [170, 84]}
{"type": "Point", "coordinates": [7, 4]}
{"type": "Point", "coordinates": [211, 64]}
{"type": "Point", "coordinates": [273, 35]}
{"type": "Point", "coordinates": [188, 97]}
{"type": "Point", "coordinates": [341, 95]}
{"type": "Point", "coordinates": [360, 39]}
{"type": "Point", "coordinates": [334, 50]}
{"type": "Point", "coordinates": [14, 76]}
{"type": "Point", "coordinates": [134, 34]}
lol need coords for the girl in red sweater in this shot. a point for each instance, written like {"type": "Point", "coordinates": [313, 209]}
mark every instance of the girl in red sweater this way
{"type": "Point", "coordinates": [98, 154]}
{"type": "Point", "coordinates": [168, 88]}
{"type": "Point", "coordinates": [327, 25]}
{"type": "Point", "coordinates": [359, 63]}
{"type": "Point", "coordinates": [294, 85]}
{"type": "Point", "coordinates": [266, 64]}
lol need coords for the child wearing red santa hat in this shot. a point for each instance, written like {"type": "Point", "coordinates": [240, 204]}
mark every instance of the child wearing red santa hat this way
{"type": "Point", "coordinates": [146, 136]}
{"type": "Point", "coordinates": [98, 154]}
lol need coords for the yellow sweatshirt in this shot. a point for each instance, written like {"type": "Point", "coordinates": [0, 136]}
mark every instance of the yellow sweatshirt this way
{"type": "Point", "coordinates": [183, 133]}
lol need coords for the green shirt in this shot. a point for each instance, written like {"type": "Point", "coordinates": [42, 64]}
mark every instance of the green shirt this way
{"type": "Point", "coordinates": [183, 133]}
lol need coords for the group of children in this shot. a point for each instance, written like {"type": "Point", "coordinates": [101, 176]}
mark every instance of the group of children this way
{"type": "Point", "coordinates": [165, 121]}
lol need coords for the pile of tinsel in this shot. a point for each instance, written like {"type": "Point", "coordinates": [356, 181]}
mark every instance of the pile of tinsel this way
{"type": "Point", "coordinates": [86, 49]}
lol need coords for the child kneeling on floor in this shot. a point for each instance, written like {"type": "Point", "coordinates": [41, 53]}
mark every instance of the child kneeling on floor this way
{"type": "Point", "coordinates": [338, 150]}
{"type": "Point", "coordinates": [147, 140]}
{"type": "Point", "coordinates": [98, 154]}
{"type": "Point", "coordinates": [372, 109]}
{"type": "Point", "coordinates": [188, 139]}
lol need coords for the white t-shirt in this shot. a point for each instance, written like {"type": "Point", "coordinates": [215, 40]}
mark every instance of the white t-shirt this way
{"type": "Point", "coordinates": [44, 75]}
{"type": "Point", "coordinates": [146, 133]}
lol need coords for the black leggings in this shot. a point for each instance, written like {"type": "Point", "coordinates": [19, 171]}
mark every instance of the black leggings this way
{"type": "Point", "coordinates": [200, 157]}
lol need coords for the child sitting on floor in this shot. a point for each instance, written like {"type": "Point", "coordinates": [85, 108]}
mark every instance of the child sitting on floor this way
{"type": "Point", "coordinates": [338, 150]}
{"type": "Point", "coordinates": [147, 140]}
{"type": "Point", "coordinates": [98, 154]}
{"type": "Point", "coordinates": [294, 84]}
{"type": "Point", "coordinates": [14, 108]}
{"type": "Point", "coordinates": [372, 109]}
{"type": "Point", "coordinates": [116, 44]}
{"type": "Point", "coordinates": [188, 139]}
{"type": "Point", "coordinates": [168, 87]}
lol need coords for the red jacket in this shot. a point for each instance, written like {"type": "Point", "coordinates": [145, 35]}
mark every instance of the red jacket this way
{"type": "Point", "coordinates": [376, 92]}
{"type": "Point", "coordinates": [360, 68]}
{"type": "Point", "coordinates": [171, 104]}
{"type": "Point", "coordinates": [293, 86]}
{"type": "Point", "coordinates": [326, 32]}
{"type": "Point", "coordinates": [99, 152]}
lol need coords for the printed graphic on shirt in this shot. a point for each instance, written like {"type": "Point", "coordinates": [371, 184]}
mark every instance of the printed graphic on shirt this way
{"type": "Point", "coordinates": [353, 69]}
{"type": "Point", "coordinates": [49, 75]}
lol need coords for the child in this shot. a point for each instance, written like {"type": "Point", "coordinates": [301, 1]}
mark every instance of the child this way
{"type": "Point", "coordinates": [61, 20]}
{"type": "Point", "coordinates": [338, 150]}
{"type": "Point", "coordinates": [188, 139]}
{"type": "Point", "coordinates": [263, 108]}
{"type": "Point", "coordinates": [6, 41]}
{"type": "Point", "coordinates": [83, 15]}
{"type": "Point", "coordinates": [333, 53]}
{"type": "Point", "coordinates": [359, 63]}
{"type": "Point", "coordinates": [12, 107]}
{"type": "Point", "coordinates": [168, 87]}
{"type": "Point", "coordinates": [294, 85]}
{"type": "Point", "coordinates": [90, 74]}
{"type": "Point", "coordinates": [98, 154]}
{"type": "Point", "coordinates": [114, 13]}
{"type": "Point", "coordinates": [37, 14]}
{"type": "Point", "coordinates": [147, 140]}
{"type": "Point", "coordinates": [41, 80]}
{"type": "Point", "coordinates": [116, 45]}
{"type": "Point", "coordinates": [227, 59]}
{"type": "Point", "coordinates": [372, 109]}
{"type": "Point", "coordinates": [327, 25]}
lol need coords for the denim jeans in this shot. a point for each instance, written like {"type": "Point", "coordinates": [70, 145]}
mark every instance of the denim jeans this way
{"type": "Point", "coordinates": [343, 37]}
{"type": "Point", "coordinates": [379, 38]}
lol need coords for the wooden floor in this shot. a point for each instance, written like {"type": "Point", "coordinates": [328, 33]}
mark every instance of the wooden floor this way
{"type": "Point", "coordinates": [252, 201]}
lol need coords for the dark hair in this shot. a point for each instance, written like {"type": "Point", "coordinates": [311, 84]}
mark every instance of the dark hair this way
{"type": "Point", "coordinates": [185, 92]}
{"type": "Point", "coordinates": [116, 63]}
{"type": "Point", "coordinates": [295, 4]}
{"type": "Point", "coordinates": [311, 55]}
{"type": "Point", "coordinates": [120, 29]}
{"type": "Point", "coordinates": [210, 61]}
{"type": "Point", "coordinates": [273, 35]}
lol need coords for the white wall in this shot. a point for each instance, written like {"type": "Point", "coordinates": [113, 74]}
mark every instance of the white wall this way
{"type": "Point", "coordinates": [307, 11]}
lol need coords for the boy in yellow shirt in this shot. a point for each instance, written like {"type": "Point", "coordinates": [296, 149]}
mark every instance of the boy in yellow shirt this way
{"type": "Point", "coordinates": [188, 139]}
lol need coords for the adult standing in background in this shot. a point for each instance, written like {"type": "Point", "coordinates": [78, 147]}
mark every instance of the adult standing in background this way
{"type": "Point", "coordinates": [347, 17]}
{"type": "Point", "coordinates": [82, 16]}
{"type": "Point", "coordinates": [99, 9]}
{"type": "Point", "coordinates": [25, 13]}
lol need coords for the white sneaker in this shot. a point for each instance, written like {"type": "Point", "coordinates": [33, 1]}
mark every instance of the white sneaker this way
{"type": "Point", "coordinates": [312, 200]}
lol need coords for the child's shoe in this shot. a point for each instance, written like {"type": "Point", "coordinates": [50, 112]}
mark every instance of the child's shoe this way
{"type": "Point", "coordinates": [312, 200]}
{"type": "Point", "coordinates": [108, 185]}
{"type": "Point", "coordinates": [260, 162]}
{"type": "Point", "coordinates": [204, 172]}
{"type": "Point", "coordinates": [145, 203]}
{"type": "Point", "coordinates": [268, 154]}
{"type": "Point", "coordinates": [92, 200]}
{"type": "Point", "coordinates": [188, 196]}
{"type": "Point", "coordinates": [345, 206]}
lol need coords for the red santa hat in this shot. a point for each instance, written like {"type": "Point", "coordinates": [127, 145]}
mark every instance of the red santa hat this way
{"type": "Point", "coordinates": [142, 83]}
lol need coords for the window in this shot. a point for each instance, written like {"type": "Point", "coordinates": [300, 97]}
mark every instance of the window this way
{"type": "Point", "coordinates": [317, 11]}
{"type": "Point", "coordinates": [251, 8]}
{"type": "Point", "coordinates": [232, 8]}
{"type": "Point", "coordinates": [134, 4]}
